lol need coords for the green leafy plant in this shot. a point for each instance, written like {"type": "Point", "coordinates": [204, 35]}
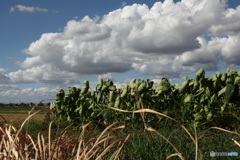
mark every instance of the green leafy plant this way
{"type": "Point", "coordinates": [209, 101]}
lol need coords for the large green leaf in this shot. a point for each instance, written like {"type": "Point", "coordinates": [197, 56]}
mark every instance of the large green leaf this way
{"type": "Point", "coordinates": [104, 113]}
{"type": "Point", "coordinates": [197, 116]}
{"type": "Point", "coordinates": [188, 98]}
{"type": "Point", "coordinates": [200, 73]}
{"type": "Point", "coordinates": [222, 91]}
{"type": "Point", "coordinates": [229, 91]}
{"type": "Point", "coordinates": [224, 77]}
{"type": "Point", "coordinates": [209, 116]}
{"type": "Point", "coordinates": [237, 81]}
{"type": "Point", "coordinates": [184, 85]}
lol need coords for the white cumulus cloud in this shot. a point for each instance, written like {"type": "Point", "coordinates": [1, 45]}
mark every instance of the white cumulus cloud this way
{"type": "Point", "coordinates": [167, 39]}
{"type": "Point", "coordinates": [27, 95]}
{"type": "Point", "coordinates": [23, 8]}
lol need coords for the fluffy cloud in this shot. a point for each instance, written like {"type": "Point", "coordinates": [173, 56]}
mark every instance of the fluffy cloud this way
{"type": "Point", "coordinates": [211, 53]}
{"type": "Point", "coordinates": [27, 95]}
{"type": "Point", "coordinates": [86, 30]}
{"type": "Point", "coordinates": [23, 8]}
{"type": "Point", "coordinates": [44, 74]}
{"type": "Point", "coordinates": [3, 77]}
{"type": "Point", "coordinates": [8, 86]}
{"type": "Point", "coordinates": [166, 40]}
{"type": "Point", "coordinates": [229, 24]}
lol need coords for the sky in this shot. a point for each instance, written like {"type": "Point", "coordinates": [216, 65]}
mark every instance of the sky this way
{"type": "Point", "coordinates": [48, 45]}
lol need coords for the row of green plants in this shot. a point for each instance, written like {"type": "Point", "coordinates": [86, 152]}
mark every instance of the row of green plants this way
{"type": "Point", "coordinates": [204, 101]}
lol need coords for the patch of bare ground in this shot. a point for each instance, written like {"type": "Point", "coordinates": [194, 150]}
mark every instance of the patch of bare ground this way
{"type": "Point", "coordinates": [17, 117]}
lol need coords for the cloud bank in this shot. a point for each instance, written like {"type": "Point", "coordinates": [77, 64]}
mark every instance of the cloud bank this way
{"type": "Point", "coordinates": [167, 40]}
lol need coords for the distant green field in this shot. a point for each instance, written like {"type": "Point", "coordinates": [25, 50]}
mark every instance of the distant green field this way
{"type": "Point", "coordinates": [20, 110]}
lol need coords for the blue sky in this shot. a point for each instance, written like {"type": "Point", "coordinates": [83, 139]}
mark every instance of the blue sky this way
{"type": "Point", "coordinates": [49, 45]}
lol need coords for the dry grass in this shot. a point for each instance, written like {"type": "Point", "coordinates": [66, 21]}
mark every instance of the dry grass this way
{"type": "Point", "coordinates": [57, 147]}
{"type": "Point", "coordinates": [83, 145]}
{"type": "Point", "coordinates": [46, 146]}
{"type": "Point", "coordinates": [12, 118]}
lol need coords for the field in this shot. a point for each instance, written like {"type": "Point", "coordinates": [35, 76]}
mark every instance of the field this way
{"type": "Point", "coordinates": [14, 114]}
{"type": "Point", "coordinates": [140, 144]}
{"type": "Point", "coordinates": [15, 117]}
{"type": "Point", "coordinates": [138, 121]}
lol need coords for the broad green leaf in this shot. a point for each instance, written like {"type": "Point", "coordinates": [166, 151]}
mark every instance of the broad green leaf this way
{"type": "Point", "coordinates": [209, 116]}
{"type": "Point", "coordinates": [223, 107]}
{"type": "Point", "coordinates": [52, 105]}
{"type": "Point", "coordinates": [203, 98]}
{"type": "Point", "coordinates": [92, 106]}
{"type": "Point", "coordinates": [188, 98]}
{"type": "Point", "coordinates": [111, 96]}
{"type": "Point", "coordinates": [224, 77]}
{"type": "Point", "coordinates": [117, 102]}
{"type": "Point", "coordinates": [164, 88]}
{"type": "Point", "coordinates": [150, 84]}
{"type": "Point", "coordinates": [232, 72]}
{"type": "Point", "coordinates": [213, 98]}
{"type": "Point", "coordinates": [124, 92]}
{"type": "Point", "coordinates": [184, 85]}
{"type": "Point", "coordinates": [100, 84]}
{"type": "Point", "coordinates": [142, 86]}
{"type": "Point", "coordinates": [139, 81]}
{"type": "Point", "coordinates": [104, 113]}
{"type": "Point", "coordinates": [200, 73]}
{"type": "Point", "coordinates": [230, 80]}
{"type": "Point", "coordinates": [205, 108]}
{"type": "Point", "coordinates": [214, 77]}
{"type": "Point", "coordinates": [112, 88]}
{"type": "Point", "coordinates": [237, 81]}
{"type": "Point", "coordinates": [218, 75]}
{"type": "Point", "coordinates": [99, 96]}
{"type": "Point", "coordinates": [60, 95]}
{"type": "Point", "coordinates": [197, 116]}
{"type": "Point", "coordinates": [85, 87]}
{"type": "Point", "coordinates": [229, 91]}
{"type": "Point", "coordinates": [104, 87]}
{"type": "Point", "coordinates": [223, 90]}
{"type": "Point", "coordinates": [195, 84]}
{"type": "Point", "coordinates": [191, 83]}
{"type": "Point", "coordinates": [132, 84]}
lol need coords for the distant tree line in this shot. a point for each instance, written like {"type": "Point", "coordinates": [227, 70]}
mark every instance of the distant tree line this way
{"type": "Point", "coordinates": [24, 104]}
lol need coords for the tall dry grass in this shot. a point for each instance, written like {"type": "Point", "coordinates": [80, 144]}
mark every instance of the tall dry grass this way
{"type": "Point", "coordinates": [46, 146]}
{"type": "Point", "coordinates": [84, 145]}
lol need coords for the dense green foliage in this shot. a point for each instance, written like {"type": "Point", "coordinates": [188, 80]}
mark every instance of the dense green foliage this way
{"type": "Point", "coordinates": [212, 101]}
{"type": "Point", "coordinates": [147, 145]}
